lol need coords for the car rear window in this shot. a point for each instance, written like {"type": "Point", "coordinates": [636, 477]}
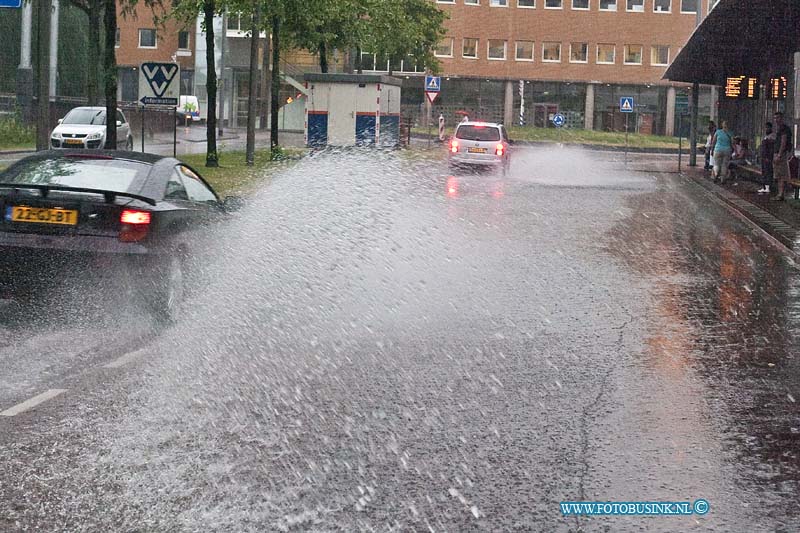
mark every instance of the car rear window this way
{"type": "Point", "coordinates": [95, 117]}
{"type": "Point", "coordinates": [478, 133]}
{"type": "Point", "coordinates": [104, 174]}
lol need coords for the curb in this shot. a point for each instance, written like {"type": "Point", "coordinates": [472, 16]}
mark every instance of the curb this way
{"type": "Point", "coordinates": [597, 147]}
{"type": "Point", "coordinates": [776, 230]}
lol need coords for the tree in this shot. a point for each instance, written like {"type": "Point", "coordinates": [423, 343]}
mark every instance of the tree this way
{"type": "Point", "coordinates": [253, 83]}
{"type": "Point", "coordinates": [110, 73]}
{"type": "Point", "coordinates": [94, 12]}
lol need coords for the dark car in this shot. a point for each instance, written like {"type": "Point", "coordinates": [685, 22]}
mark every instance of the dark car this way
{"type": "Point", "coordinates": [63, 210]}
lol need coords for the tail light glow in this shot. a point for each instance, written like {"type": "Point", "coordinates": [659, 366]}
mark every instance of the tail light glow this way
{"type": "Point", "coordinates": [130, 216]}
{"type": "Point", "coordinates": [454, 146]}
{"type": "Point", "coordinates": [135, 224]}
{"type": "Point", "coordinates": [500, 149]}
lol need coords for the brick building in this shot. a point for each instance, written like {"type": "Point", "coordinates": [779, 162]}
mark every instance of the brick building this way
{"type": "Point", "coordinates": [140, 39]}
{"type": "Point", "coordinates": [572, 56]}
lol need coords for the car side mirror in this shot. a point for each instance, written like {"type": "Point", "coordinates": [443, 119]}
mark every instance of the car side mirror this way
{"type": "Point", "coordinates": [60, 121]}
{"type": "Point", "coordinates": [232, 203]}
{"type": "Point", "coordinates": [119, 123]}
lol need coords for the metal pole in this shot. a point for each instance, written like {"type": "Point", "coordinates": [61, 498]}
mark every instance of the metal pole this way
{"type": "Point", "coordinates": [143, 129]}
{"type": "Point", "coordinates": [626, 137]}
{"type": "Point", "coordinates": [175, 132]}
{"type": "Point", "coordinates": [43, 51]}
{"type": "Point", "coordinates": [221, 89]}
{"type": "Point", "coordinates": [698, 17]}
{"type": "Point", "coordinates": [428, 111]}
{"type": "Point", "coordinates": [54, 48]}
{"type": "Point", "coordinates": [680, 141]}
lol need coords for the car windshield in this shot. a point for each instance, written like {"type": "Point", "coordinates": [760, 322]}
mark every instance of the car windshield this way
{"type": "Point", "coordinates": [87, 116]}
{"type": "Point", "coordinates": [478, 133]}
{"type": "Point", "coordinates": [103, 174]}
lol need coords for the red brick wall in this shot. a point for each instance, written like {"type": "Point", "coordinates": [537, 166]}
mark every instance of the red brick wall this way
{"type": "Point", "coordinates": [130, 55]}
{"type": "Point", "coordinates": [564, 26]}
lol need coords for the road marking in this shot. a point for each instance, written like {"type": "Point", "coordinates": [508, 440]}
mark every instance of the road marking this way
{"type": "Point", "coordinates": [125, 359]}
{"type": "Point", "coordinates": [33, 402]}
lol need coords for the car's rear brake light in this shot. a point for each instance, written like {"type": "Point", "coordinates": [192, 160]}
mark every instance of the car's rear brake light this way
{"type": "Point", "coordinates": [135, 224]}
{"type": "Point", "coordinates": [131, 216]}
{"type": "Point", "coordinates": [454, 146]}
{"type": "Point", "coordinates": [500, 149]}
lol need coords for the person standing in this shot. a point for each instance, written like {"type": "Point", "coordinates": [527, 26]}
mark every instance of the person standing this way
{"type": "Point", "coordinates": [712, 128]}
{"type": "Point", "coordinates": [783, 149]}
{"type": "Point", "coordinates": [723, 147]}
{"type": "Point", "coordinates": [767, 152]}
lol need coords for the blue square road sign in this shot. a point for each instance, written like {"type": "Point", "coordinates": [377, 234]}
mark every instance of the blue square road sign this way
{"type": "Point", "coordinates": [433, 84]}
{"type": "Point", "coordinates": [626, 104]}
{"type": "Point", "coordinates": [11, 3]}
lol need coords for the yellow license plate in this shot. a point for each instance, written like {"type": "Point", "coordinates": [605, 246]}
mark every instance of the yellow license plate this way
{"type": "Point", "coordinates": [43, 215]}
{"type": "Point", "coordinates": [476, 150]}
{"type": "Point", "coordinates": [73, 141]}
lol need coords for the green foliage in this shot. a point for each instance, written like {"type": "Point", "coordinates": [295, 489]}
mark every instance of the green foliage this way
{"type": "Point", "coordinates": [15, 134]}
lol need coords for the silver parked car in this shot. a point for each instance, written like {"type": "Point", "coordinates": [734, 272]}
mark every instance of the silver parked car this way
{"type": "Point", "coordinates": [480, 143]}
{"type": "Point", "coordinates": [85, 128]}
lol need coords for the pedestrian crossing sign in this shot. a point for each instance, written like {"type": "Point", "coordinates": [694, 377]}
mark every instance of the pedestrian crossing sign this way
{"type": "Point", "coordinates": [433, 84]}
{"type": "Point", "coordinates": [626, 104]}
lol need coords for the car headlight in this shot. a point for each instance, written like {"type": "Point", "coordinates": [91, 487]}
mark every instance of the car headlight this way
{"type": "Point", "coordinates": [56, 135]}
{"type": "Point", "coordinates": [95, 136]}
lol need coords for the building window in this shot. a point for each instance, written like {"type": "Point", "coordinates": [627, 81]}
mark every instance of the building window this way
{"type": "Point", "coordinates": [662, 6]}
{"type": "Point", "coordinates": [580, 4]}
{"type": "Point", "coordinates": [496, 49]}
{"type": "Point", "coordinates": [239, 22]}
{"type": "Point", "coordinates": [498, 3]}
{"type": "Point", "coordinates": [524, 51]}
{"type": "Point", "coordinates": [608, 5]}
{"type": "Point", "coordinates": [552, 4]}
{"type": "Point", "coordinates": [445, 1]}
{"type": "Point", "coordinates": [472, 2]}
{"type": "Point", "coordinates": [147, 38]}
{"type": "Point", "coordinates": [659, 55]}
{"type": "Point", "coordinates": [578, 52]}
{"type": "Point", "coordinates": [116, 39]}
{"type": "Point", "coordinates": [688, 6]}
{"type": "Point", "coordinates": [606, 54]}
{"type": "Point", "coordinates": [469, 48]}
{"type": "Point", "coordinates": [636, 5]}
{"type": "Point", "coordinates": [633, 54]}
{"type": "Point", "coordinates": [445, 48]}
{"type": "Point", "coordinates": [526, 3]}
{"type": "Point", "coordinates": [183, 40]}
{"type": "Point", "coordinates": [187, 82]}
{"type": "Point", "coordinates": [551, 52]}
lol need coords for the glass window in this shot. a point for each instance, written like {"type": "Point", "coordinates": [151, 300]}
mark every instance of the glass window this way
{"type": "Point", "coordinates": [445, 48]}
{"type": "Point", "coordinates": [524, 51]}
{"type": "Point", "coordinates": [659, 55]}
{"type": "Point", "coordinates": [183, 40]}
{"type": "Point", "coordinates": [633, 54]}
{"type": "Point", "coordinates": [147, 38]}
{"type": "Point", "coordinates": [175, 189]}
{"type": "Point", "coordinates": [606, 54]}
{"type": "Point", "coordinates": [552, 4]}
{"type": "Point", "coordinates": [478, 133]}
{"type": "Point", "coordinates": [120, 117]}
{"type": "Point", "coordinates": [662, 6]}
{"type": "Point", "coordinates": [445, 1]}
{"type": "Point", "coordinates": [197, 190]}
{"type": "Point", "coordinates": [636, 5]}
{"type": "Point", "coordinates": [498, 3]}
{"type": "Point", "coordinates": [472, 2]}
{"type": "Point", "coordinates": [367, 61]}
{"type": "Point", "coordinates": [526, 3]}
{"type": "Point", "coordinates": [470, 47]}
{"type": "Point", "coordinates": [688, 6]}
{"type": "Point", "coordinates": [551, 52]}
{"type": "Point", "coordinates": [580, 4]}
{"type": "Point", "coordinates": [608, 5]}
{"type": "Point", "coordinates": [86, 115]}
{"type": "Point", "coordinates": [102, 174]}
{"type": "Point", "coordinates": [116, 39]}
{"type": "Point", "coordinates": [578, 52]}
{"type": "Point", "coordinates": [497, 49]}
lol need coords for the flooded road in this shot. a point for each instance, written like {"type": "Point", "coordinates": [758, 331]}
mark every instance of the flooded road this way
{"type": "Point", "coordinates": [380, 344]}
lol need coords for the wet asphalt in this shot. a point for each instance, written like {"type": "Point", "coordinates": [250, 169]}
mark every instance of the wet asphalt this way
{"type": "Point", "coordinates": [382, 344]}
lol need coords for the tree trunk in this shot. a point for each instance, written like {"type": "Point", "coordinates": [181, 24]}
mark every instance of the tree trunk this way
{"type": "Point", "coordinates": [211, 85]}
{"type": "Point", "coordinates": [323, 57]}
{"type": "Point", "coordinates": [110, 68]}
{"type": "Point", "coordinates": [358, 66]}
{"type": "Point", "coordinates": [93, 50]}
{"type": "Point", "coordinates": [276, 83]}
{"type": "Point", "coordinates": [265, 83]}
{"type": "Point", "coordinates": [43, 8]}
{"type": "Point", "coordinates": [252, 102]}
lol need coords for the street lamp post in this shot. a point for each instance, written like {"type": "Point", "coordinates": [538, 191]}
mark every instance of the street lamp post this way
{"type": "Point", "coordinates": [695, 99]}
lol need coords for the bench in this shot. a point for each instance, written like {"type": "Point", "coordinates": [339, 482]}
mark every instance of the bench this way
{"type": "Point", "coordinates": [747, 171]}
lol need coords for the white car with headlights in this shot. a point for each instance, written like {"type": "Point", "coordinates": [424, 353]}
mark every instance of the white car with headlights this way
{"type": "Point", "coordinates": [85, 128]}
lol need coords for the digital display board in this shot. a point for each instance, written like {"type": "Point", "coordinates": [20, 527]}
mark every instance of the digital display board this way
{"type": "Point", "coordinates": [742, 87]}
{"type": "Point", "coordinates": [778, 88]}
